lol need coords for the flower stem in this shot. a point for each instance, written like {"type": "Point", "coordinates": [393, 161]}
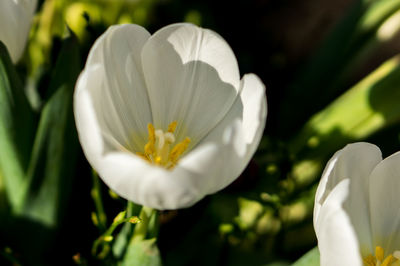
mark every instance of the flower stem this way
{"type": "Point", "coordinates": [148, 228]}
{"type": "Point", "coordinates": [99, 217]}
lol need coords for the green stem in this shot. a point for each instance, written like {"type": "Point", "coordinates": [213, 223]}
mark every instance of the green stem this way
{"type": "Point", "coordinates": [98, 202]}
{"type": "Point", "coordinates": [107, 236]}
{"type": "Point", "coordinates": [148, 228]}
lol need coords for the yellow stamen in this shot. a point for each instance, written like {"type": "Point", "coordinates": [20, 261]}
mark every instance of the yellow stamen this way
{"type": "Point", "coordinates": [379, 253]}
{"type": "Point", "coordinates": [379, 258]}
{"type": "Point", "coordinates": [387, 261]}
{"type": "Point", "coordinates": [369, 260]}
{"type": "Point", "coordinates": [149, 148]}
{"type": "Point", "coordinates": [157, 160]}
{"type": "Point", "coordinates": [172, 127]}
{"type": "Point", "coordinates": [152, 133]}
{"type": "Point", "coordinates": [158, 148]}
{"type": "Point", "coordinates": [179, 149]}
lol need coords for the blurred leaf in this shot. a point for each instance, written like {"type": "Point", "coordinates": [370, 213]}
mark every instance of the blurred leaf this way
{"type": "Point", "coordinates": [371, 105]}
{"type": "Point", "coordinates": [325, 74]}
{"type": "Point", "coordinates": [311, 258]}
{"type": "Point", "coordinates": [142, 252]}
{"type": "Point", "coordinates": [17, 123]}
{"type": "Point", "coordinates": [47, 181]}
{"type": "Point", "coordinates": [54, 153]}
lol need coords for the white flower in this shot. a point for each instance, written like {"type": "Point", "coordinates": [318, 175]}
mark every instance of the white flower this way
{"type": "Point", "coordinates": [15, 23]}
{"type": "Point", "coordinates": [165, 119]}
{"type": "Point", "coordinates": [357, 208]}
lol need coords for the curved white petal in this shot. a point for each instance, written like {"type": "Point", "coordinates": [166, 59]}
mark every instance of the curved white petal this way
{"type": "Point", "coordinates": [136, 180]}
{"type": "Point", "coordinates": [337, 240]}
{"type": "Point", "coordinates": [385, 203]}
{"type": "Point", "coordinates": [237, 136]}
{"type": "Point", "coordinates": [113, 77]}
{"type": "Point", "coordinates": [354, 162]}
{"type": "Point", "coordinates": [254, 101]}
{"type": "Point", "coordinates": [320, 195]}
{"type": "Point", "coordinates": [192, 77]}
{"type": "Point", "coordinates": [15, 20]}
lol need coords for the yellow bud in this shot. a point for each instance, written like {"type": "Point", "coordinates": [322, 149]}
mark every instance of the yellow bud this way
{"type": "Point", "coordinates": [108, 238]}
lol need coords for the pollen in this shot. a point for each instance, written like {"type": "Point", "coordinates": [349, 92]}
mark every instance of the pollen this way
{"type": "Point", "coordinates": [159, 149]}
{"type": "Point", "coordinates": [380, 260]}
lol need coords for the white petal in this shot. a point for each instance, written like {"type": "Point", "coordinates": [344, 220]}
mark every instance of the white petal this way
{"type": "Point", "coordinates": [15, 21]}
{"type": "Point", "coordinates": [354, 162]}
{"type": "Point", "coordinates": [254, 112]}
{"type": "Point", "coordinates": [192, 77]}
{"type": "Point", "coordinates": [136, 180]}
{"type": "Point", "coordinates": [337, 240]}
{"type": "Point", "coordinates": [385, 203]}
{"type": "Point", "coordinates": [114, 79]}
{"type": "Point", "coordinates": [236, 137]}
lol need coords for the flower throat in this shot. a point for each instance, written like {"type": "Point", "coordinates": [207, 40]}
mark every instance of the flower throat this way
{"type": "Point", "coordinates": [158, 148]}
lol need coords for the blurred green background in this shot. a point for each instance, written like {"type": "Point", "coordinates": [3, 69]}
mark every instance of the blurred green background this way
{"type": "Point", "coordinates": [332, 78]}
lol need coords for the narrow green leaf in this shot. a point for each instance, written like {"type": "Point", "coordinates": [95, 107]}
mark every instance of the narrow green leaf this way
{"type": "Point", "coordinates": [17, 124]}
{"type": "Point", "coordinates": [371, 105]}
{"type": "Point", "coordinates": [311, 258]}
{"type": "Point", "coordinates": [52, 164]}
{"type": "Point", "coordinates": [326, 74]}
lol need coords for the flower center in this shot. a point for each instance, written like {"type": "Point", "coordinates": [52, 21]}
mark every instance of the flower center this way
{"type": "Point", "coordinates": [380, 260]}
{"type": "Point", "coordinates": [158, 150]}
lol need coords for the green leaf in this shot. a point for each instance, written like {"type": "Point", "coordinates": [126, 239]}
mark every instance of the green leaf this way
{"type": "Point", "coordinates": [46, 183]}
{"type": "Point", "coordinates": [370, 106]}
{"type": "Point", "coordinates": [327, 72]}
{"type": "Point", "coordinates": [17, 125]}
{"type": "Point", "coordinates": [311, 258]}
{"type": "Point", "coordinates": [142, 252]}
{"type": "Point", "coordinates": [54, 153]}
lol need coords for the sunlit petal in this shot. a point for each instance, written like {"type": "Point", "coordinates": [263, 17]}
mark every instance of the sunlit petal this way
{"type": "Point", "coordinates": [337, 240]}
{"type": "Point", "coordinates": [385, 203]}
{"type": "Point", "coordinates": [192, 77]}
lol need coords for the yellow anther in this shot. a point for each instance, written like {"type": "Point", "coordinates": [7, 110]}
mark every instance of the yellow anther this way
{"type": "Point", "coordinates": [158, 148]}
{"type": "Point", "coordinates": [172, 127]}
{"type": "Point", "coordinates": [379, 253]}
{"type": "Point", "coordinates": [387, 261]}
{"type": "Point", "coordinates": [179, 149]}
{"type": "Point", "coordinates": [380, 260]}
{"type": "Point", "coordinates": [152, 134]}
{"type": "Point", "coordinates": [369, 260]}
{"type": "Point", "coordinates": [149, 148]}
{"type": "Point", "coordinates": [157, 160]}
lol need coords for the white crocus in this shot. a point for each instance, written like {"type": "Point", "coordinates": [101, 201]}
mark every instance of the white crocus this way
{"type": "Point", "coordinates": [357, 208]}
{"type": "Point", "coordinates": [15, 23]}
{"type": "Point", "coordinates": [165, 119]}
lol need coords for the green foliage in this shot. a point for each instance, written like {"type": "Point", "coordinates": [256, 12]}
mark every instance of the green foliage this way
{"type": "Point", "coordinates": [17, 124]}
{"type": "Point", "coordinates": [38, 155]}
